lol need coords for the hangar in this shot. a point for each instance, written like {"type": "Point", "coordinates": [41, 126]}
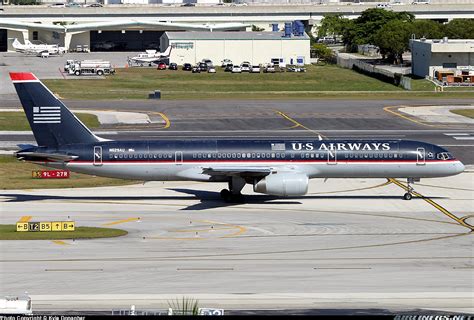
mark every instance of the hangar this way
{"type": "Point", "coordinates": [255, 47]}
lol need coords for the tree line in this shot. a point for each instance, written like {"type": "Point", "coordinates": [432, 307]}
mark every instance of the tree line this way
{"type": "Point", "coordinates": [391, 31]}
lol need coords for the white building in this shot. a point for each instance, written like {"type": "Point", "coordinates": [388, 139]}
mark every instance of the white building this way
{"type": "Point", "coordinates": [431, 55]}
{"type": "Point", "coordinates": [255, 47]}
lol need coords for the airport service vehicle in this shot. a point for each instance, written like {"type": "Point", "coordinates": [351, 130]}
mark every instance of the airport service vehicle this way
{"type": "Point", "coordinates": [187, 67]}
{"type": "Point", "coordinates": [31, 48]}
{"type": "Point", "coordinates": [296, 69]}
{"type": "Point", "coordinates": [71, 62]}
{"type": "Point", "coordinates": [73, 5]}
{"type": "Point", "coordinates": [57, 5]}
{"type": "Point", "coordinates": [255, 69]}
{"type": "Point", "coordinates": [173, 66]}
{"type": "Point", "coordinates": [236, 69]}
{"type": "Point", "coordinates": [149, 57]}
{"type": "Point", "coordinates": [245, 67]}
{"type": "Point", "coordinates": [85, 67]}
{"type": "Point", "coordinates": [196, 69]}
{"type": "Point", "coordinates": [161, 66]}
{"type": "Point", "coordinates": [279, 167]}
{"type": "Point", "coordinates": [225, 62]}
{"type": "Point", "coordinates": [211, 70]}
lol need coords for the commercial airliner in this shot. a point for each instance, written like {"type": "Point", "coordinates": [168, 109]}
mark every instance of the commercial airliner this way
{"type": "Point", "coordinates": [280, 167]}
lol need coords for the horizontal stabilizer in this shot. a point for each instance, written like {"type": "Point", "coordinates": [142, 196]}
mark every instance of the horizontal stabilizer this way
{"type": "Point", "coordinates": [39, 156]}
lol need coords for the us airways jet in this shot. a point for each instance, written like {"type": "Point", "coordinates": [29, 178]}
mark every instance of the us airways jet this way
{"type": "Point", "coordinates": [275, 167]}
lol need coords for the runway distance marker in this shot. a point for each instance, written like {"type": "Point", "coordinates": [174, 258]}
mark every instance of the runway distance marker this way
{"type": "Point", "coordinates": [50, 174]}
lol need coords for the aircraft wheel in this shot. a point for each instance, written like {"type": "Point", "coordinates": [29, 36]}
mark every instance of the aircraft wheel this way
{"type": "Point", "coordinates": [77, 73]}
{"type": "Point", "coordinates": [225, 194]}
{"type": "Point", "coordinates": [407, 196]}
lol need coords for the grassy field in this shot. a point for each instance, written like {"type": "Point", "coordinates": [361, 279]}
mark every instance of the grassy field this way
{"type": "Point", "coordinates": [17, 175]}
{"type": "Point", "coordinates": [8, 232]}
{"type": "Point", "coordinates": [326, 81]}
{"type": "Point", "coordinates": [16, 121]}
{"type": "Point", "coordinates": [464, 112]}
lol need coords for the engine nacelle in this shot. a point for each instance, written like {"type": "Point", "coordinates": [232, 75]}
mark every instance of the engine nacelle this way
{"type": "Point", "coordinates": [283, 184]}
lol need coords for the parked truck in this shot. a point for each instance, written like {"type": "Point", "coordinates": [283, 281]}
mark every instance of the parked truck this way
{"type": "Point", "coordinates": [89, 67]}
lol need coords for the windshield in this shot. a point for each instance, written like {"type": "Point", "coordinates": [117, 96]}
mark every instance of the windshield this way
{"type": "Point", "coordinates": [444, 156]}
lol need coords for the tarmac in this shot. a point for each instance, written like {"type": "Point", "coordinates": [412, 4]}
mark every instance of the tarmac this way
{"type": "Point", "coordinates": [348, 244]}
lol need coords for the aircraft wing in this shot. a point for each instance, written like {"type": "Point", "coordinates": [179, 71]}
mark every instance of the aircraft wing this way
{"type": "Point", "coordinates": [237, 171]}
{"type": "Point", "coordinates": [39, 156]}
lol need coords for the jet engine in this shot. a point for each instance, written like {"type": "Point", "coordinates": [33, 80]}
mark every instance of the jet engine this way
{"type": "Point", "coordinates": [283, 184]}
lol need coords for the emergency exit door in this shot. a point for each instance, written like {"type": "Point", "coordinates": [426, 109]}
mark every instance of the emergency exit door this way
{"type": "Point", "coordinates": [97, 156]}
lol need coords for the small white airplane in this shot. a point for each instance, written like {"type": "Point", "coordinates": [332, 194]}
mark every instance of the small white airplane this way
{"type": "Point", "coordinates": [31, 48]}
{"type": "Point", "coordinates": [150, 56]}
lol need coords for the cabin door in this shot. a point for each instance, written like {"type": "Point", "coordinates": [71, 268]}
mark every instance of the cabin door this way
{"type": "Point", "coordinates": [178, 158]}
{"type": "Point", "coordinates": [332, 156]}
{"type": "Point", "coordinates": [97, 155]}
{"type": "Point", "coordinates": [420, 156]}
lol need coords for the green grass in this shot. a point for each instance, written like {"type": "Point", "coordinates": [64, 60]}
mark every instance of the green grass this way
{"type": "Point", "coordinates": [464, 112]}
{"type": "Point", "coordinates": [17, 175]}
{"type": "Point", "coordinates": [327, 81]}
{"type": "Point", "coordinates": [16, 121]}
{"type": "Point", "coordinates": [8, 232]}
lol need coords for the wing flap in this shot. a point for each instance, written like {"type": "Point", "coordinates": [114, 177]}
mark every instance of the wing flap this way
{"type": "Point", "coordinates": [237, 171]}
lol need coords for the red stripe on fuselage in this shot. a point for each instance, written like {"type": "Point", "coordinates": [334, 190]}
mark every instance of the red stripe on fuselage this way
{"type": "Point", "coordinates": [263, 160]}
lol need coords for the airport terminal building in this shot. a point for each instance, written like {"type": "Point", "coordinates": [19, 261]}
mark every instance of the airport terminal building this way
{"type": "Point", "coordinates": [254, 47]}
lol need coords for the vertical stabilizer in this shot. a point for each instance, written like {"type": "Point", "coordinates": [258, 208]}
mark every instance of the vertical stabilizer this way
{"type": "Point", "coordinates": [50, 120]}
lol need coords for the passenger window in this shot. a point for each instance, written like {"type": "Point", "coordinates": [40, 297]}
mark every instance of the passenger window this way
{"type": "Point", "coordinates": [273, 155]}
{"type": "Point", "coordinates": [233, 156]}
{"type": "Point", "coordinates": [115, 156]}
{"type": "Point", "coordinates": [253, 155]}
{"type": "Point", "coordinates": [238, 155]}
{"type": "Point", "coordinates": [199, 155]}
{"type": "Point", "coordinates": [268, 155]}
{"type": "Point", "coordinates": [263, 155]}
{"type": "Point", "coordinates": [120, 156]}
{"type": "Point", "coordinates": [283, 155]}
{"type": "Point", "coordinates": [277, 155]}
{"type": "Point", "coordinates": [228, 155]}
{"type": "Point", "coordinates": [209, 155]}
{"type": "Point", "coordinates": [248, 155]}
{"type": "Point", "coordinates": [135, 156]}
{"type": "Point", "coordinates": [243, 155]}
{"type": "Point", "coordinates": [194, 156]}
{"type": "Point", "coordinates": [219, 155]}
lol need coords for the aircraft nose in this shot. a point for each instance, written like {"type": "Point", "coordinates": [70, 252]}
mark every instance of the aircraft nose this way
{"type": "Point", "coordinates": [458, 167]}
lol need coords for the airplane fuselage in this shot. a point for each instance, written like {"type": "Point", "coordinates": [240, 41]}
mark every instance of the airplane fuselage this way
{"type": "Point", "coordinates": [186, 159]}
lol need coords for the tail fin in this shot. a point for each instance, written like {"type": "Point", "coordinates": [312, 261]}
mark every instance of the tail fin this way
{"type": "Point", "coordinates": [16, 44]}
{"type": "Point", "coordinates": [50, 120]}
{"type": "Point", "coordinates": [167, 52]}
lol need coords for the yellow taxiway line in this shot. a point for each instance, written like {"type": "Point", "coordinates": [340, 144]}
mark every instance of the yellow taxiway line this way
{"type": "Point", "coordinates": [165, 119]}
{"type": "Point", "coordinates": [461, 221]}
{"type": "Point", "coordinates": [60, 242]}
{"type": "Point", "coordinates": [297, 124]}
{"type": "Point", "coordinates": [120, 221]}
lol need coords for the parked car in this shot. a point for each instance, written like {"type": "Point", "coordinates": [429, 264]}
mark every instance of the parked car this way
{"type": "Point", "coordinates": [420, 2]}
{"type": "Point", "coordinates": [187, 67]}
{"type": "Point", "coordinates": [255, 69]}
{"type": "Point", "coordinates": [236, 69]}
{"type": "Point", "coordinates": [228, 67]}
{"type": "Point", "coordinates": [189, 4]}
{"type": "Point", "coordinates": [269, 68]}
{"type": "Point", "coordinates": [161, 66]}
{"type": "Point", "coordinates": [383, 6]}
{"type": "Point", "coordinates": [327, 40]}
{"type": "Point", "coordinates": [211, 70]}
{"type": "Point", "coordinates": [245, 67]}
{"type": "Point", "coordinates": [196, 69]}
{"type": "Point", "coordinates": [295, 69]}
{"type": "Point", "coordinates": [225, 62]}
{"type": "Point", "coordinates": [208, 62]}
{"type": "Point", "coordinates": [173, 66]}
{"type": "Point", "coordinates": [73, 5]}
{"type": "Point", "coordinates": [203, 66]}
{"type": "Point", "coordinates": [94, 5]}
{"type": "Point", "coordinates": [57, 5]}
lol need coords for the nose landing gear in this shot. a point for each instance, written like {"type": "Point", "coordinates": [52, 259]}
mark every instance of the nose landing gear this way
{"type": "Point", "coordinates": [408, 195]}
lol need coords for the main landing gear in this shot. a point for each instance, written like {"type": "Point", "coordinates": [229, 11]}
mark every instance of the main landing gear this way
{"type": "Point", "coordinates": [408, 195]}
{"type": "Point", "coordinates": [233, 195]}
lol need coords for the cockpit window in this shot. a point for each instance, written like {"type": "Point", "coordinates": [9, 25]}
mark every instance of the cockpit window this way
{"type": "Point", "coordinates": [444, 156]}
